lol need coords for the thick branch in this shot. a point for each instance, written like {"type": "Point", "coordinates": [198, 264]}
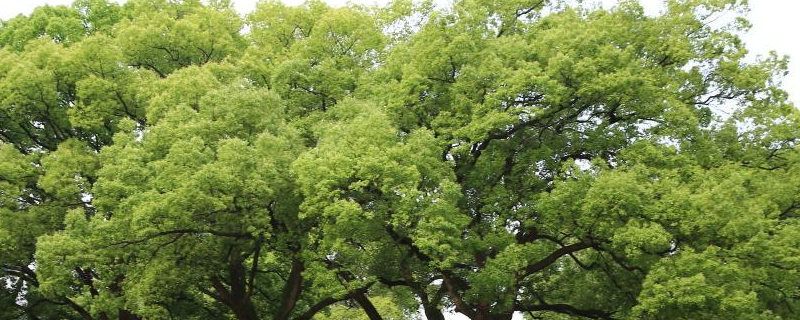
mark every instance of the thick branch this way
{"type": "Point", "coordinates": [408, 242]}
{"type": "Point", "coordinates": [461, 305]}
{"type": "Point", "coordinates": [367, 306]}
{"type": "Point", "coordinates": [324, 303]}
{"type": "Point", "coordinates": [291, 290]}
{"type": "Point", "coordinates": [551, 258]}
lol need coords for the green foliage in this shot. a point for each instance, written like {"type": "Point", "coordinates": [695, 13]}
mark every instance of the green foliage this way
{"type": "Point", "coordinates": [172, 160]}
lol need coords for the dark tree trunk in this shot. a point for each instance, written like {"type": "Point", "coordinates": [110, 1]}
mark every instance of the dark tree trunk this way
{"type": "Point", "coordinates": [241, 303]}
{"type": "Point", "coordinates": [236, 294]}
{"type": "Point", "coordinates": [244, 310]}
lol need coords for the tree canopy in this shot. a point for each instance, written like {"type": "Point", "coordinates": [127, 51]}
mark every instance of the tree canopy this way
{"type": "Point", "coordinates": [165, 159]}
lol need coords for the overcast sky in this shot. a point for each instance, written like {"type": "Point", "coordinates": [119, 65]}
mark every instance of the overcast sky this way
{"type": "Point", "coordinates": [772, 22]}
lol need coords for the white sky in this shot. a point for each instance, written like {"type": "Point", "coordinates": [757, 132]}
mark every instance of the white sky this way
{"type": "Point", "coordinates": [772, 22]}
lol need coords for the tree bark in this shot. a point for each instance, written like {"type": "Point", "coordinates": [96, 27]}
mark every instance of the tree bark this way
{"type": "Point", "coordinates": [241, 303]}
{"type": "Point", "coordinates": [367, 306]}
{"type": "Point", "coordinates": [127, 315]}
{"type": "Point", "coordinates": [291, 290]}
{"type": "Point", "coordinates": [432, 312]}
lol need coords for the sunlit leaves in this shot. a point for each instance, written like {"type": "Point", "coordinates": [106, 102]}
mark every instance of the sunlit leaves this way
{"type": "Point", "coordinates": [173, 159]}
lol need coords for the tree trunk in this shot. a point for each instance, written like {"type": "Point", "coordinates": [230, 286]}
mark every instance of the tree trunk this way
{"type": "Point", "coordinates": [241, 303]}
{"type": "Point", "coordinates": [244, 310]}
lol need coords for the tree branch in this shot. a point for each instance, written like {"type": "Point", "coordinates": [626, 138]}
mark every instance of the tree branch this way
{"type": "Point", "coordinates": [324, 303]}
{"type": "Point", "coordinates": [552, 257]}
{"type": "Point", "coordinates": [566, 309]}
{"type": "Point", "coordinates": [239, 235]}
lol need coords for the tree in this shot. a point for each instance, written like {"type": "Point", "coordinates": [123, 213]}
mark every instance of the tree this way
{"type": "Point", "coordinates": [170, 159]}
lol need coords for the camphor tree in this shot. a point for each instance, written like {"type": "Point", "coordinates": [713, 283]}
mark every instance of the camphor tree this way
{"type": "Point", "coordinates": [191, 210]}
{"type": "Point", "coordinates": [174, 160]}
